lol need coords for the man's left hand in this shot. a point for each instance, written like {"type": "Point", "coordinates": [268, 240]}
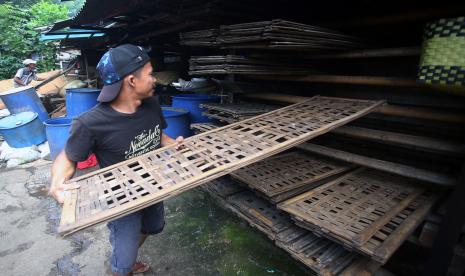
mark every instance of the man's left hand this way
{"type": "Point", "coordinates": [179, 143]}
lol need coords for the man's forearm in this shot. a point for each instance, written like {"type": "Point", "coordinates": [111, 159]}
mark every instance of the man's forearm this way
{"type": "Point", "coordinates": [18, 81]}
{"type": "Point", "coordinates": [166, 140]}
{"type": "Point", "coordinates": [62, 170]}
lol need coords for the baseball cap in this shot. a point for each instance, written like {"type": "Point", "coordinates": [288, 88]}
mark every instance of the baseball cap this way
{"type": "Point", "coordinates": [116, 64]}
{"type": "Point", "coordinates": [29, 61]}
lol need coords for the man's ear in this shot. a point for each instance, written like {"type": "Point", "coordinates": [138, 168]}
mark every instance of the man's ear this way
{"type": "Point", "coordinates": [130, 79]}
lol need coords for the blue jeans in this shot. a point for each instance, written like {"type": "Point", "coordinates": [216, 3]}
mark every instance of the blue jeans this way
{"type": "Point", "coordinates": [125, 233]}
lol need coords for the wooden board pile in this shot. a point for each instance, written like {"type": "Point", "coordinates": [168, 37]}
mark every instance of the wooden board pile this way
{"type": "Point", "coordinates": [286, 175]}
{"type": "Point", "coordinates": [134, 184]}
{"type": "Point", "coordinates": [234, 64]}
{"type": "Point", "coordinates": [369, 211]}
{"type": "Point", "coordinates": [275, 34]}
{"type": "Point", "coordinates": [232, 113]}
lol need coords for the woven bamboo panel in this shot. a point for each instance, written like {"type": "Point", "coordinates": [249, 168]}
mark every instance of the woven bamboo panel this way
{"type": "Point", "coordinates": [385, 241]}
{"type": "Point", "coordinates": [367, 210]}
{"type": "Point", "coordinates": [134, 184]}
{"type": "Point", "coordinates": [287, 172]}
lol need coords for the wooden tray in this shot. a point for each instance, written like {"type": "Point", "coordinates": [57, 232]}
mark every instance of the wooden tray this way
{"type": "Point", "coordinates": [126, 187]}
{"type": "Point", "coordinates": [367, 210]}
{"type": "Point", "coordinates": [286, 172]}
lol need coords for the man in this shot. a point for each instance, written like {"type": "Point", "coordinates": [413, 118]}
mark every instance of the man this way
{"type": "Point", "coordinates": [127, 123]}
{"type": "Point", "coordinates": [25, 75]}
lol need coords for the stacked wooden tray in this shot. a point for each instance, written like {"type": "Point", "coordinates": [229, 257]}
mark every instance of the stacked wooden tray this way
{"type": "Point", "coordinates": [367, 210]}
{"type": "Point", "coordinates": [232, 113]}
{"type": "Point", "coordinates": [259, 213]}
{"type": "Point", "coordinates": [223, 187]}
{"type": "Point", "coordinates": [129, 186]}
{"type": "Point", "coordinates": [234, 64]}
{"type": "Point", "coordinates": [203, 127]}
{"type": "Point", "coordinates": [275, 34]}
{"type": "Point", "coordinates": [321, 255]}
{"type": "Point", "coordinates": [286, 175]}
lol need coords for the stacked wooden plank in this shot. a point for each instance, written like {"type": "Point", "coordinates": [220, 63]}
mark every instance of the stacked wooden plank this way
{"type": "Point", "coordinates": [286, 175]}
{"type": "Point", "coordinates": [200, 38]}
{"type": "Point", "coordinates": [234, 64]}
{"type": "Point", "coordinates": [134, 184]}
{"type": "Point", "coordinates": [275, 34]}
{"type": "Point", "coordinates": [370, 211]}
{"type": "Point", "coordinates": [232, 113]}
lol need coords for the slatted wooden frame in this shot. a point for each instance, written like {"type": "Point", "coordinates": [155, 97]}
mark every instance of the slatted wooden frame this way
{"type": "Point", "coordinates": [383, 244]}
{"type": "Point", "coordinates": [134, 184]}
{"type": "Point", "coordinates": [366, 210]}
{"type": "Point", "coordinates": [286, 173]}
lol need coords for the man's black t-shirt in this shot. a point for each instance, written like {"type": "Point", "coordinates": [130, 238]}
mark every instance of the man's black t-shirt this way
{"type": "Point", "coordinates": [115, 136]}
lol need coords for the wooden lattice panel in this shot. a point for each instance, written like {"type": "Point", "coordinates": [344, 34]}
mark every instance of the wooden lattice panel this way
{"type": "Point", "coordinates": [134, 184]}
{"type": "Point", "coordinates": [367, 210]}
{"type": "Point", "coordinates": [288, 172]}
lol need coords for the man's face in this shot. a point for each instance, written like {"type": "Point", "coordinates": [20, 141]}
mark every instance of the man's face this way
{"type": "Point", "coordinates": [145, 82]}
{"type": "Point", "coordinates": [31, 66]}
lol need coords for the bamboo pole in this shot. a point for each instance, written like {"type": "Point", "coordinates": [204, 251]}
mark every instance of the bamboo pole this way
{"type": "Point", "coordinates": [387, 109]}
{"type": "Point", "coordinates": [400, 169]}
{"type": "Point", "coordinates": [412, 141]}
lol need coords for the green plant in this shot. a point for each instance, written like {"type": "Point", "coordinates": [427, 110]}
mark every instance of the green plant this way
{"type": "Point", "coordinates": [19, 37]}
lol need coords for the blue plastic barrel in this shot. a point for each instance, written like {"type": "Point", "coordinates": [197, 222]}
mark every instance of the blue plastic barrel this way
{"type": "Point", "coordinates": [79, 100]}
{"type": "Point", "coordinates": [23, 99]}
{"type": "Point", "coordinates": [57, 130]}
{"type": "Point", "coordinates": [22, 130]}
{"type": "Point", "coordinates": [191, 102]}
{"type": "Point", "coordinates": [178, 121]}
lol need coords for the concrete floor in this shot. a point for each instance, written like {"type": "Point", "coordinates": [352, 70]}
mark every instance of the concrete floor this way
{"type": "Point", "coordinates": [199, 238]}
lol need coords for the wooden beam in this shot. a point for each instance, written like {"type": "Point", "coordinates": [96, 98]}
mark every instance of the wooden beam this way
{"type": "Point", "coordinates": [387, 109]}
{"type": "Point", "coordinates": [412, 141]}
{"type": "Point", "coordinates": [173, 28]}
{"type": "Point", "coordinates": [342, 79]}
{"type": "Point", "coordinates": [371, 53]}
{"type": "Point", "coordinates": [400, 169]}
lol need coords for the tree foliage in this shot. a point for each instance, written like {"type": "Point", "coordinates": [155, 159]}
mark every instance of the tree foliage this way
{"type": "Point", "coordinates": [19, 38]}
